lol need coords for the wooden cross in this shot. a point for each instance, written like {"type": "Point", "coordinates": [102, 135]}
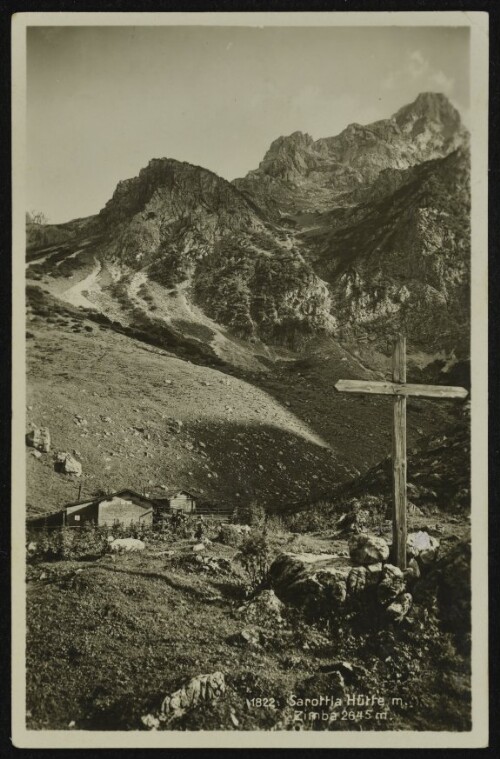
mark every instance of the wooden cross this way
{"type": "Point", "coordinates": [400, 390]}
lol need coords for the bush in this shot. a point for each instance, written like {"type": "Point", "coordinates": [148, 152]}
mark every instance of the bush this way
{"type": "Point", "coordinates": [89, 541]}
{"type": "Point", "coordinates": [254, 557]}
{"type": "Point", "coordinates": [310, 520]}
{"type": "Point", "coordinates": [275, 524]}
{"type": "Point", "coordinates": [252, 514]}
{"type": "Point", "coordinates": [63, 543]}
{"type": "Point", "coordinates": [139, 530]}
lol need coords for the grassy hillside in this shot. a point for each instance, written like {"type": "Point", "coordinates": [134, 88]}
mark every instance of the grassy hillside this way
{"type": "Point", "coordinates": [142, 417]}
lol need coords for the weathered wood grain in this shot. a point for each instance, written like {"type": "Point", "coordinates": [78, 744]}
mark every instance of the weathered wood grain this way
{"type": "Point", "coordinates": [405, 390]}
{"type": "Point", "coordinates": [399, 529]}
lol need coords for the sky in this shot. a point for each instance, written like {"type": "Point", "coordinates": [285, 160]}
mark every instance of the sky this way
{"type": "Point", "coordinates": [103, 101]}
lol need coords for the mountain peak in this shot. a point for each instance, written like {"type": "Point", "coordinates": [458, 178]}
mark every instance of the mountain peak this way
{"type": "Point", "coordinates": [288, 156]}
{"type": "Point", "coordinates": [295, 138]}
{"type": "Point", "coordinates": [433, 106]}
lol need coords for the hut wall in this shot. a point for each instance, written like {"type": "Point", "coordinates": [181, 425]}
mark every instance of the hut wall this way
{"type": "Point", "coordinates": [124, 510]}
{"type": "Point", "coordinates": [182, 502]}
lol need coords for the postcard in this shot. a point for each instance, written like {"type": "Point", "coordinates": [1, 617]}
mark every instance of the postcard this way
{"type": "Point", "coordinates": [250, 380]}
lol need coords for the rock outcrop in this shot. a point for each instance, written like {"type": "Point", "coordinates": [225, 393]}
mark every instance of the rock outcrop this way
{"type": "Point", "coordinates": [368, 549]}
{"type": "Point", "coordinates": [300, 174]}
{"type": "Point", "coordinates": [126, 545]}
{"type": "Point", "coordinates": [184, 224]}
{"type": "Point", "coordinates": [68, 464]}
{"type": "Point", "coordinates": [199, 690]}
{"type": "Point", "coordinates": [312, 581]}
{"type": "Point", "coordinates": [39, 438]}
{"type": "Point", "coordinates": [401, 260]}
{"type": "Point", "coordinates": [323, 584]}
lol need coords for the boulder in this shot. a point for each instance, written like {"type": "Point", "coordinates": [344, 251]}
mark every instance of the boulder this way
{"type": "Point", "coordinates": [36, 454]}
{"type": "Point", "coordinates": [368, 549]}
{"type": "Point", "coordinates": [400, 607]}
{"type": "Point", "coordinates": [420, 542]}
{"type": "Point", "coordinates": [316, 581]}
{"type": "Point", "coordinates": [264, 608]}
{"type": "Point", "coordinates": [391, 585]}
{"type": "Point", "coordinates": [39, 438]}
{"type": "Point", "coordinates": [427, 557]}
{"type": "Point", "coordinates": [447, 587]}
{"type": "Point", "coordinates": [360, 578]}
{"type": "Point", "coordinates": [356, 580]}
{"type": "Point", "coordinates": [374, 572]}
{"type": "Point", "coordinates": [412, 572]}
{"type": "Point", "coordinates": [203, 688]}
{"type": "Point", "coordinates": [67, 463]}
{"type": "Point", "coordinates": [127, 544]}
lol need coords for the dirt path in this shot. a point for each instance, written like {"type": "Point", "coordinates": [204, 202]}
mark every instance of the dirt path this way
{"type": "Point", "coordinates": [74, 294]}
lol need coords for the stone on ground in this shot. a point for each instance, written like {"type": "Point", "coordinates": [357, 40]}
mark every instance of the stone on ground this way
{"type": "Point", "coordinates": [127, 544]}
{"type": "Point", "coordinates": [309, 580]}
{"type": "Point", "coordinates": [66, 463]}
{"type": "Point", "coordinates": [400, 607]}
{"type": "Point", "coordinates": [264, 608]}
{"type": "Point", "coordinates": [200, 689]}
{"type": "Point", "coordinates": [420, 542]}
{"type": "Point", "coordinates": [368, 549]}
{"type": "Point", "coordinates": [39, 438]}
{"type": "Point", "coordinates": [391, 585]}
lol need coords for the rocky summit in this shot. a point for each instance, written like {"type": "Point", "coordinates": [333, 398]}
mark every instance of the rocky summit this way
{"type": "Point", "coordinates": [300, 174]}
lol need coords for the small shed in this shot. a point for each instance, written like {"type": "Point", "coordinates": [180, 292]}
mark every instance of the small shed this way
{"type": "Point", "coordinates": [124, 506]}
{"type": "Point", "coordinates": [177, 500]}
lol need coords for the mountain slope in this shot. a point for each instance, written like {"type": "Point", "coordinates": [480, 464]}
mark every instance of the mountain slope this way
{"type": "Point", "coordinates": [141, 417]}
{"type": "Point", "coordinates": [400, 260]}
{"type": "Point", "coordinates": [186, 230]}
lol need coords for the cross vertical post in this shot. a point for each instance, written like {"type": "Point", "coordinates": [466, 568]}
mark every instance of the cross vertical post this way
{"type": "Point", "coordinates": [399, 528]}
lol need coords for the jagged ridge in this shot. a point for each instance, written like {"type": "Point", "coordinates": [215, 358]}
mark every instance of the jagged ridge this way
{"type": "Point", "coordinates": [298, 173]}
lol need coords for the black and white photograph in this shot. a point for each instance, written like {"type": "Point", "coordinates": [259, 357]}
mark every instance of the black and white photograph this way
{"type": "Point", "coordinates": [251, 388]}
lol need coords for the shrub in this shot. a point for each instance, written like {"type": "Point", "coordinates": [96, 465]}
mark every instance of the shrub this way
{"type": "Point", "coordinates": [254, 557]}
{"type": "Point", "coordinates": [89, 541]}
{"type": "Point", "coordinates": [275, 524]}
{"type": "Point", "coordinates": [252, 514]}
{"type": "Point", "coordinates": [63, 543]}
{"type": "Point", "coordinates": [308, 521]}
{"type": "Point", "coordinates": [138, 530]}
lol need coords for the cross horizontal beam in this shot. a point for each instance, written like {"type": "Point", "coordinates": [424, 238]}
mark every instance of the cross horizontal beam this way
{"type": "Point", "coordinates": [400, 389]}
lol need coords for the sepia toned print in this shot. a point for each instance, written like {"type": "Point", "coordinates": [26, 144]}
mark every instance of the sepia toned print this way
{"type": "Point", "coordinates": [251, 392]}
